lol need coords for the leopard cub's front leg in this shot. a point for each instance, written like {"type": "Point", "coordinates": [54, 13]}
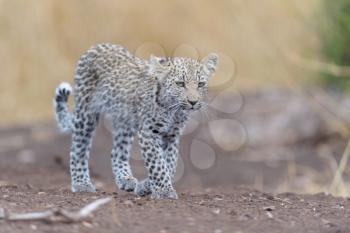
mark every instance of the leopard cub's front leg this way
{"type": "Point", "coordinates": [123, 136]}
{"type": "Point", "coordinates": [159, 181]}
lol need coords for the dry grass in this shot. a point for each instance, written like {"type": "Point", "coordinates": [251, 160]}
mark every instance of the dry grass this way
{"type": "Point", "coordinates": [40, 41]}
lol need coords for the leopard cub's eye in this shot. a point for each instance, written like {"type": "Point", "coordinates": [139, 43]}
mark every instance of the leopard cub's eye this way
{"type": "Point", "coordinates": [180, 83]}
{"type": "Point", "coordinates": [201, 84]}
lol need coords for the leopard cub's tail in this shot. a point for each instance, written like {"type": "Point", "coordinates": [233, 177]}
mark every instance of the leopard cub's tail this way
{"type": "Point", "coordinates": [63, 116]}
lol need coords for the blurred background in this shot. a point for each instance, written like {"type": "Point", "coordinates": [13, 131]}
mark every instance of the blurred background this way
{"type": "Point", "coordinates": [278, 116]}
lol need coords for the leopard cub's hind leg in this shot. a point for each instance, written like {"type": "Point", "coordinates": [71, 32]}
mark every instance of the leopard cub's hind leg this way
{"type": "Point", "coordinates": [84, 127]}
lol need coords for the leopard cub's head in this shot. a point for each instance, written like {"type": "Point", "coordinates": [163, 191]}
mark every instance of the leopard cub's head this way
{"type": "Point", "coordinates": [183, 81]}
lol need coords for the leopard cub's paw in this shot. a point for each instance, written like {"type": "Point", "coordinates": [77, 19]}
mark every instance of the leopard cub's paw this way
{"type": "Point", "coordinates": [83, 187]}
{"type": "Point", "coordinates": [127, 184]}
{"type": "Point", "coordinates": [143, 188]}
{"type": "Point", "coordinates": [165, 193]}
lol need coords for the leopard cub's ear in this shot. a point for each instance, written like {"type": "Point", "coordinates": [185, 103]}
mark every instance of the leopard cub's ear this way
{"type": "Point", "coordinates": [210, 63]}
{"type": "Point", "coordinates": [159, 61]}
{"type": "Point", "coordinates": [159, 66]}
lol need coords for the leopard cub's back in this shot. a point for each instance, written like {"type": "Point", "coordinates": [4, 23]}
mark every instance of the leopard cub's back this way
{"type": "Point", "coordinates": [110, 78]}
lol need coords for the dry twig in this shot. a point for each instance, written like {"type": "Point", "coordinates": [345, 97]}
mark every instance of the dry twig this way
{"type": "Point", "coordinates": [337, 180]}
{"type": "Point", "coordinates": [329, 68]}
{"type": "Point", "coordinates": [60, 215]}
{"type": "Point", "coordinates": [326, 154]}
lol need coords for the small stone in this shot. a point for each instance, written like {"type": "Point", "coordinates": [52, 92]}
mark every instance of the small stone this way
{"type": "Point", "coordinates": [328, 223]}
{"type": "Point", "coordinates": [232, 212]}
{"type": "Point", "coordinates": [87, 224]}
{"type": "Point", "coordinates": [2, 213]}
{"type": "Point", "coordinates": [269, 208]}
{"type": "Point", "coordinates": [33, 227]}
{"type": "Point", "coordinates": [29, 186]}
{"type": "Point", "coordinates": [269, 215]}
{"type": "Point", "coordinates": [244, 217]}
{"type": "Point", "coordinates": [338, 206]}
{"type": "Point", "coordinates": [128, 203]}
{"type": "Point", "coordinates": [216, 211]}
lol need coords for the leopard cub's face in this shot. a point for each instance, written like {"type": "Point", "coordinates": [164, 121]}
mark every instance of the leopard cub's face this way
{"type": "Point", "coordinates": [183, 81]}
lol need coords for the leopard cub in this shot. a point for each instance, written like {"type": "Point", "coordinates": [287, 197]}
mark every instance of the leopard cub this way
{"type": "Point", "coordinates": [152, 98]}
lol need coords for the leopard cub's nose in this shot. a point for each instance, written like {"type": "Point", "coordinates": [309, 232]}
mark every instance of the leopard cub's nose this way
{"type": "Point", "coordinates": [192, 102]}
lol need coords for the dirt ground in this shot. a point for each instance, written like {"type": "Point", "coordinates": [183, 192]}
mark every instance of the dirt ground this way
{"type": "Point", "coordinates": [34, 177]}
{"type": "Point", "coordinates": [239, 210]}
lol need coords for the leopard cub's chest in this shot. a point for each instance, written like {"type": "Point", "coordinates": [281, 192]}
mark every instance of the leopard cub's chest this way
{"type": "Point", "coordinates": [162, 125]}
{"type": "Point", "coordinates": [168, 125]}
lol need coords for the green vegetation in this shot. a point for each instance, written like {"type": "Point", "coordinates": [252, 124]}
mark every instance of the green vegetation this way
{"type": "Point", "coordinates": [334, 25]}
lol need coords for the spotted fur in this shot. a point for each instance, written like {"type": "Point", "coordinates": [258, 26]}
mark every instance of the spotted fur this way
{"type": "Point", "coordinates": [152, 98]}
